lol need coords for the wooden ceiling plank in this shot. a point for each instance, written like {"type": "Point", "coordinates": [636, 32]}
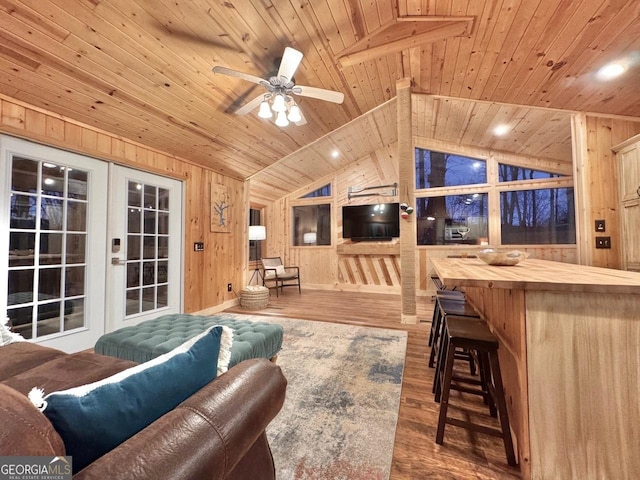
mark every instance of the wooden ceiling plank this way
{"type": "Point", "coordinates": [72, 69]}
{"type": "Point", "coordinates": [110, 115]}
{"type": "Point", "coordinates": [620, 34]}
{"type": "Point", "coordinates": [575, 46]}
{"type": "Point", "coordinates": [527, 19]}
{"type": "Point", "coordinates": [204, 95]}
{"type": "Point", "coordinates": [493, 42]}
{"type": "Point", "coordinates": [549, 18]}
{"type": "Point", "coordinates": [35, 18]}
{"type": "Point", "coordinates": [555, 49]}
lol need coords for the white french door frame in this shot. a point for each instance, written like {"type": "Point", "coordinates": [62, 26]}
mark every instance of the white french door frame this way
{"type": "Point", "coordinates": [97, 170]}
{"type": "Point", "coordinates": [116, 277]}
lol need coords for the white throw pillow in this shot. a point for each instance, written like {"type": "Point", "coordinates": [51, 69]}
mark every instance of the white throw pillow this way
{"type": "Point", "coordinates": [280, 269]}
{"type": "Point", "coordinates": [7, 336]}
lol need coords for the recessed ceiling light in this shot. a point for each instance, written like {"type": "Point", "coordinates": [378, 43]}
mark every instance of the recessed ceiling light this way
{"type": "Point", "coordinates": [49, 181]}
{"type": "Point", "coordinates": [501, 130]}
{"type": "Point", "coordinates": [335, 153]}
{"type": "Point", "coordinates": [611, 71]}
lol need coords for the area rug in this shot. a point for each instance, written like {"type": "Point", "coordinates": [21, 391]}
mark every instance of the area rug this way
{"type": "Point", "coordinates": [343, 395]}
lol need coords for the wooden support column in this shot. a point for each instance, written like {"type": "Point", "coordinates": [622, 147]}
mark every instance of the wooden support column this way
{"type": "Point", "coordinates": [406, 191]}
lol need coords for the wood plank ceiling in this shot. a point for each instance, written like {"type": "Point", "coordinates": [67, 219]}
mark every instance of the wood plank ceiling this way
{"type": "Point", "coordinates": [142, 69]}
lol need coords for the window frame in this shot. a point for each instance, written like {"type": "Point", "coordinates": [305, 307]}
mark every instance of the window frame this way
{"type": "Point", "coordinates": [494, 187]}
{"type": "Point", "coordinates": [263, 245]}
{"type": "Point", "coordinates": [316, 201]}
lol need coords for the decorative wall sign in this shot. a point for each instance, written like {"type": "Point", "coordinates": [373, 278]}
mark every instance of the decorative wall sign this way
{"type": "Point", "coordinates": [220, 208]}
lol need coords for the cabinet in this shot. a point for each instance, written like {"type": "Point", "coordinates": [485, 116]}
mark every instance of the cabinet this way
{"type": "Point", "coordinates": [628, 154]}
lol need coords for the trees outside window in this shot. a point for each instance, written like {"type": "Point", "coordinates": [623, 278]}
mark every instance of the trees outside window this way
{"type": "Point", "coordinates": [535, 217]}
{"type": "Point", "coordinates": [454, 193]}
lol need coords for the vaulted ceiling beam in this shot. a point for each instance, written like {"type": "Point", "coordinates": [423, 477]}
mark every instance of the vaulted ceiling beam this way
{"type": "Point", "coordinates": [402, 33]}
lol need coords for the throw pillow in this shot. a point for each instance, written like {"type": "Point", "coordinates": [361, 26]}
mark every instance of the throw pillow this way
{"type": "Point", "coordinates": [95, 418]}
{"type": "Point", "coordinates": [280, 270]}
{"type": "Point", "coordinates": [7, 336]}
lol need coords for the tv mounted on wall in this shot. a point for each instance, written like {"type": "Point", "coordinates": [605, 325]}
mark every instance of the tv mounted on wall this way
{"type": "Point", "coordinates": [371, 222]}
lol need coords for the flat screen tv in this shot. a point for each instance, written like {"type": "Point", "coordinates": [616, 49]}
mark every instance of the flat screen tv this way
{"type": "Point", "coordinates": [371, 222]}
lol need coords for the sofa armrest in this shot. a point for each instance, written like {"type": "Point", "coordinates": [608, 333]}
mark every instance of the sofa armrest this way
{"type": "Point", "coordinates": [207, 435]}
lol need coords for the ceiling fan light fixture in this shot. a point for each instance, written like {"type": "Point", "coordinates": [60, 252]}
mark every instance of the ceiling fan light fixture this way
{"type": "Point", "coordinates": [281, 119]}
{"type": "Point", "coordinates": [294, 114]}
{"type": "Point", "coordinates": [265, 110]}
{"type": "Point", "coordinates": [279, 104]}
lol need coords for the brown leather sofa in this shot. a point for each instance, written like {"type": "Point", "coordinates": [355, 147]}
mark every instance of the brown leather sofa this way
{"type": "Point", "coordinates": [217, 433]}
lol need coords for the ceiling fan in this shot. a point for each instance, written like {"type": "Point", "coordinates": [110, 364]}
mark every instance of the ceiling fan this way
{"type": "Point", "coordinates": [280, 90]}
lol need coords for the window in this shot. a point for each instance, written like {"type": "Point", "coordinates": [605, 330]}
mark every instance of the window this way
{"type": "Point", "coordinates": [452, 219]}
{"type": "Point", "coordinates": [510, 173]}
{"type": "Point", "coordinates": [324, 191]}
{"type": "Point", "coordinates": [312, 225]}
{"type": "Point", "coordinates": [536, 206]}
{"type": "Point", "coordinates": [545, 216]}
{"type": "Point", "coordinates": [255, 246]}
{"type": "Point", "coordinates": [437, 169]}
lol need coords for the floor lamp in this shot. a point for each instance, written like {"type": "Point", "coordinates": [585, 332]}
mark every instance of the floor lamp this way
{"type": "Point", "coordinates": [257, 232]}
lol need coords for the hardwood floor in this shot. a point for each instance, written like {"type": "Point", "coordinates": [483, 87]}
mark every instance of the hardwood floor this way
{"type": "Point", "coordinates": [464, 455]}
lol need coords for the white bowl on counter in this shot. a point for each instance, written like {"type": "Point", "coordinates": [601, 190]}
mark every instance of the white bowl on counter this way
{"type": "Point", "coordinates": [491, 256]}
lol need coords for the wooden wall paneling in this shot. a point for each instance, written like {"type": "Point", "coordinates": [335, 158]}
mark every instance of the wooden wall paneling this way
{"type": "Point", "coordinates": [581, 186]}
{"type": "Point", "coordinates": [597, 184]}
{"type": "Point", "coordinates": [13, 115]}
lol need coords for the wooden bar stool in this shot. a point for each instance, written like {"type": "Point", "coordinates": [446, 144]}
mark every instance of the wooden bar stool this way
{"type": "Point", "coordinates": [444, 307]}
{"type": "Point", "coordinates": [454, 295]}
{"type": "Point", "coordinates": [474, 336]}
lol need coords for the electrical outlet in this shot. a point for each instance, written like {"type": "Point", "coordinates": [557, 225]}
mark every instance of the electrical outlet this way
{"type": "Point", "coordinates": [229, 287]}
{"type": "Point", "coordinates": [603, 242]}
{"type": "Point", "coordinates": [198, 247]}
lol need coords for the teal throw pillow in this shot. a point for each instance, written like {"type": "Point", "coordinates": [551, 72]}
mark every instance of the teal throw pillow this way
{"type": "Point", "coordinates": [95, 418]}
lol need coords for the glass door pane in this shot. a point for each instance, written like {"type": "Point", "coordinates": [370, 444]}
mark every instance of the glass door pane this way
{"type": "Point", "coordinates": [47, 243]}
{"type": "Point", "coordinates": [147, 261]}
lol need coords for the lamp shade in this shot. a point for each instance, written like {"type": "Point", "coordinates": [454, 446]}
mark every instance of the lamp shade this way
{"type": "Point", "coordinates": [281, 119]}
{"type": "Point", "coordinates": [257, 232]}
{"type": "Point", "coordinates": [265, 111]}
{"type": "Point", "coordinates": [310, 237]}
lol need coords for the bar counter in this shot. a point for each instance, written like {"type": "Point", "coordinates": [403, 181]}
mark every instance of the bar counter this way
{"type": "Point", "coordinates": [570, 357]}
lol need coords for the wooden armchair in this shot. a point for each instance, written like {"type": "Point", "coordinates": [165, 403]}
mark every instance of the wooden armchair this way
{"type": "Point", "coordinates": [281, 276]}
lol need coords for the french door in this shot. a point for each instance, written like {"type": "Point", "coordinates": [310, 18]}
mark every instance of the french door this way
{"type": "Point", "coordinates": [52, 211]}
{"type": "Point", "coordinates": [85, 247]}
{"type": "Point", "coordinates": [145, 278]}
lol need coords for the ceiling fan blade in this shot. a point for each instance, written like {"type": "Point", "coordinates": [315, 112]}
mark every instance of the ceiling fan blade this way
{"type": "Point", "coordinates": [319, 93]}
{"type": "Point", "coordinates": [289, 64]}
{"type": "Point", "coordinates": [250, 106]}
{"type": "Point", "coordinates": [244, 76]}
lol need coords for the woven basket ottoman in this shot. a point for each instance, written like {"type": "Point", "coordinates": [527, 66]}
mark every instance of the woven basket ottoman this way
{"type": "Point", "coordinates": [254, 297]}
{"type": "Point", "coordinates": [150, 339]}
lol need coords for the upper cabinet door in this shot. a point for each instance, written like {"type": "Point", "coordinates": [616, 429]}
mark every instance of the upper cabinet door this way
{"type": "Point", "coordinates": [630, 172]}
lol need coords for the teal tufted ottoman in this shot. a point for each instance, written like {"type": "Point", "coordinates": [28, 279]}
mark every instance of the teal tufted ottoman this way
{"type": "Point", "coordinates": [140, 343]}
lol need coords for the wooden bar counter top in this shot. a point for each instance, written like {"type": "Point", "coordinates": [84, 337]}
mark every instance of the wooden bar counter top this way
{"type": "Point", "coordinates": [570, 355]}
